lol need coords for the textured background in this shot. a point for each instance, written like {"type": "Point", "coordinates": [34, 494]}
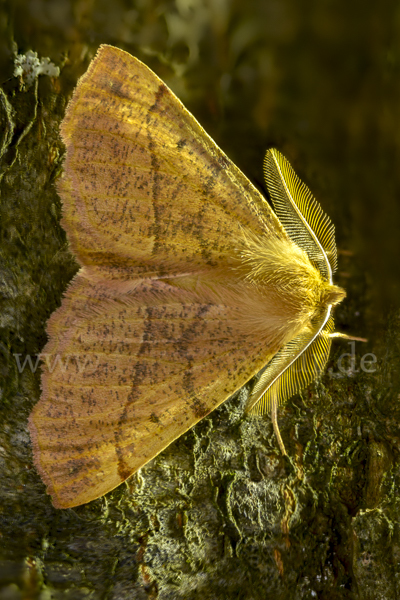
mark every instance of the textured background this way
{"type": "Point", "coordinates": [220, 514]}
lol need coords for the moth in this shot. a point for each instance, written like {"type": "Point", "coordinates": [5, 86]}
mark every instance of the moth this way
{"type": "Point", "coordinates": [189, 286]}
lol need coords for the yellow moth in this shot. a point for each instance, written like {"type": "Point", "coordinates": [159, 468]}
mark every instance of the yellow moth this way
{"type": "Point", "coordinates": [189, 284]}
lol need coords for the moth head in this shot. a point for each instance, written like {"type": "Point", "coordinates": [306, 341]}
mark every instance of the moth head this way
{"type": "Point", "coordinates": [332, 294]}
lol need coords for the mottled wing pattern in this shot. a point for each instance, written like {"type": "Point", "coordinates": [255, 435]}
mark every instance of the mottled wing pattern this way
{"type": "Point", "coordinates": [137, 372]}
{"type": "Point", "coordinates": [157, 329]}
{"type": "Point", "coordinates": [146, 190]}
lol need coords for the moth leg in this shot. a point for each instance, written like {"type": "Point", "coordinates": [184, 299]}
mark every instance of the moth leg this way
{"type": "Point", "coordinates": [274, 419]}
{"type": "Point", "coordinates": [337, 334]}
